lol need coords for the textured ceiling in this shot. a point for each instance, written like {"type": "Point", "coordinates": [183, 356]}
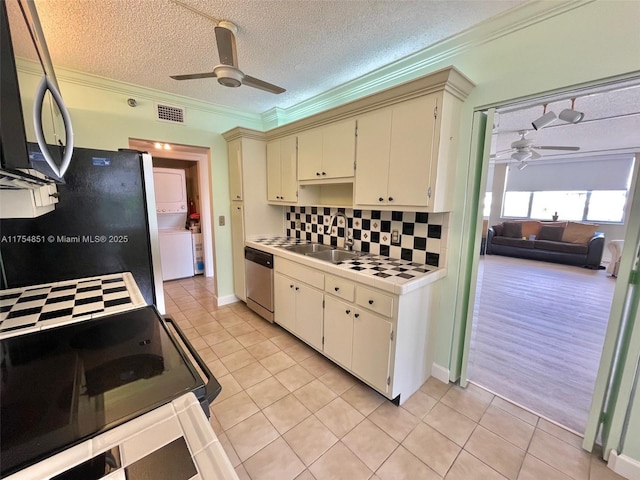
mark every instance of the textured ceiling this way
{"type": "Point", "coordinates": [305, 46]}
{"type": "Point", "coordinates": [611, 122]}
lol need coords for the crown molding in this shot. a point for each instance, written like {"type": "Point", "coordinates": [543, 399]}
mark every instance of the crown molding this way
{"type": "Point", "coordinates": [117, 87]}
{"type": "Point", "coordinates": [241, 132]}
{"type": "Point", "coordinates": [422, 62]}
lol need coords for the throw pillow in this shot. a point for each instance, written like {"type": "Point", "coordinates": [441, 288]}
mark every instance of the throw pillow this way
{"type": "Point", "coordinates": [578, 232]}
{"type": "Point", "coordinates": [530, 227]}
{"type": "Point", "coordinates": [512, 229]}
{"type": "Point", "coordinates": [548, 232]}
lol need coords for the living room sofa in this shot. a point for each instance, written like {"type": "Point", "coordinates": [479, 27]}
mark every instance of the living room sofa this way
{"type": "Point", "coordinates": [571, 243]}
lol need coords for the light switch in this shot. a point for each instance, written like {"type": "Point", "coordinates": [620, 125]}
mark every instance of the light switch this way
{"type": "Point", "coordinates": [221, 220]}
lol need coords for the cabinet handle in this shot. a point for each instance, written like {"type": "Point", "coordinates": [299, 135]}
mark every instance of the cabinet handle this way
{"type": "Point", "coordinates": [356, 315]}
{"type": "Point", "coordinates": [347, 312]}
{"type": "Point", "coordinates": [370, 302]}
{"type": "Point", "coordinates": [337, 288]}
{"type": "Point", "coordinates": [380, 199]}
{"type": "Point", "coordinates": [391, 199]}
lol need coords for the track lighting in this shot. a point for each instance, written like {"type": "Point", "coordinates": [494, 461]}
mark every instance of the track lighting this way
{"type": "Point", "coordinates": [570, 115]}
{"type": "Point", "coordinates": [544, 120]}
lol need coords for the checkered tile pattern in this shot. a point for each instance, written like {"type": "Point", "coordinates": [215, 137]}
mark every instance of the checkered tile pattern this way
{"type": "Point", "coordinates": [65, 301]}
{"type": "Point", "coordinates": [396, 270]}
{"type": "Point", "coordinates": [420, 233]}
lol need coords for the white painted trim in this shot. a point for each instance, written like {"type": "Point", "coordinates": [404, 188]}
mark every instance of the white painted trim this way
{"type": "Point", "coordinates": [440, 372]}
{"type": "Point", "coordinates": [76, 77]}
{"type": "Point", "coordinates": [624, 466]}
{"type": "Point", "coordinates": [226, 300]}
{"type": "Point", "coordinates": [419, 63]}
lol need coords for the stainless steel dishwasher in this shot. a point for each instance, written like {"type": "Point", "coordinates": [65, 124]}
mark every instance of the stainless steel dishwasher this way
{"type": "Point", "coordinates": [258, 267]}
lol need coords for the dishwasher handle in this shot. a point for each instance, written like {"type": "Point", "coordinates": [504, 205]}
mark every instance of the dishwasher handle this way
{"type": "Point", "coordinates": [256, 256]}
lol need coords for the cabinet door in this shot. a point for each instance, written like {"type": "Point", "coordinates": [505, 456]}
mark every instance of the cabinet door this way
{"type": "Point", "coordinates": [284, 301]}
{"type": "Point", "coordinates": [371, 348]}
{"type": "Point", "coordinates": [411, 153]}
{"type": "Point", "coordinates": [235, 169]}
{"type": "Point", "coordinates": [309, 314]}
{"type": "Point", "coordinates": [237, 248]}
{"type": "Point", "coordinates": [288, 170]}
{"type": "Point", "coordinates": [372, 158]}
{"type": "Point", "coordinates": [310, 155]}
{"type": "Point", "coordinates": [338, 330]}
{"type": "Point", "coordinates": [274, 177]}
{"type": "Point", "coordinates": [339, 149]}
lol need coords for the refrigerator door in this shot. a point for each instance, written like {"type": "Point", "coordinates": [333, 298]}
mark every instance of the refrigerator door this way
{"type": "Point", "coordinates": [100, 226]}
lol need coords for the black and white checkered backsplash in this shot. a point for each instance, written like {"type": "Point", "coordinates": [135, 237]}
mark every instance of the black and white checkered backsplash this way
{"type": "Point", "coordinates": [420, 233]}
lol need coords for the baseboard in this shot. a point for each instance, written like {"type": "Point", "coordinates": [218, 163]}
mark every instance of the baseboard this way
{"type": "Point", "coordinates": [226, 300]}
{"type": "Point", "coordinates": [624, 466]}
{"type": "Point", "coordinates": [439, 372]}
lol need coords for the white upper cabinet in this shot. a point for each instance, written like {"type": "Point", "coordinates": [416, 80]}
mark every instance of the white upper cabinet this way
{"type": "Point", "coordinates": [395, 153]}
{"type": "Point", "coordinates": [327, 152]}
{"type": "Point", "coordinates": [235, 169]}
{"type": "Point", "coordinates": [282, 182]}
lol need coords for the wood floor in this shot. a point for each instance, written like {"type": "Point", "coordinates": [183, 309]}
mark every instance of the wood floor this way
{"type": "Point", "coordinates": [538, 334]}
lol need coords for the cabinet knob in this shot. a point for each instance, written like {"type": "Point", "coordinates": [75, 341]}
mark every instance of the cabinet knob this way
{"type": "Point", "coordinates": [297, 288]}
{"type": "Point", "coordinates": [290, 286]}
{"type": "Point", "coordinates": [336, 288]}
{"type": "Point", "coordinates": [391, 199]}
{"type": "Point", "coordinates": [356, 315]}
{"type": "Point", "coordinates": [317, 174]}
{"type": "Point", "coordinates": [370, 302]}
{"type": "Point", "coordinates": [347, 312]}
{"type": "Point", "coordinates": [237, 196]}
{"type": "Point", "coordinates": [324, 173]}
{"type": "Point", "coordinates": [380, 199]}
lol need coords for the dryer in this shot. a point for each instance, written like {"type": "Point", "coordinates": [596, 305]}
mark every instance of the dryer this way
{"type": "Point", "coordinates": [176, 249]}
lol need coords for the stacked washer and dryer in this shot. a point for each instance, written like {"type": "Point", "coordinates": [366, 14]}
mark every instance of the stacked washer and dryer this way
{"type": "Point", "coordinates": [177, 244]}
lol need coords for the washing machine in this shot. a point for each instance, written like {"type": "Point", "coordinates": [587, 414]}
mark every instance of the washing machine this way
{"type": "Point", "coordinates": [176, 247]}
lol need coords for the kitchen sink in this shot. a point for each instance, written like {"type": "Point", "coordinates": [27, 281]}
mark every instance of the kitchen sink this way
{"type": "Point", "coordinates": [309, 248]}
{"type": "Point", "coordinates": [334, 256]}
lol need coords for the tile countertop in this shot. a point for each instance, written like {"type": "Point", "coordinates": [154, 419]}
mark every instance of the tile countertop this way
{"type": "Point", "coordinates": [36, 307]}
{"type": "Point", "coordinates": [388, 274]}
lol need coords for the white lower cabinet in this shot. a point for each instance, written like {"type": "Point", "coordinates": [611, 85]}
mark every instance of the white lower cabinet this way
{"type": "Point", "coordinates": [382, 338]}
{"type": "Point", "coordinates": [371, 353]}
{"type": "Point", "coordinates": [338, 331]}
{"type": "Point", "coordinates": [299, 309]}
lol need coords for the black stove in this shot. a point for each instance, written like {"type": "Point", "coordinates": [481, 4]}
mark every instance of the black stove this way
{"type": "Point", "coordinates": [62, 386]}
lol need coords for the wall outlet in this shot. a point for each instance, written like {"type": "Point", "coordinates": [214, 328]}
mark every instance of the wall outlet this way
{"type": "Point", "coordinates": [221, 220]}
{"type": "Point", "coordinates": [298, 224]}
{"type": "Point", "coordinates": [395, 237]}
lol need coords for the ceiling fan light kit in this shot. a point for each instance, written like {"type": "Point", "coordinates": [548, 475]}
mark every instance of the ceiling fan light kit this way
{"type": "Point", "coordinates": [228, 73]}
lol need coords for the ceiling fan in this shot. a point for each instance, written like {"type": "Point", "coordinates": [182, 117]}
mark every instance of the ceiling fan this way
{"type": "Point", "coordinates": [228, 73]}
{"type": "Point", "coordinates": [525, 148]}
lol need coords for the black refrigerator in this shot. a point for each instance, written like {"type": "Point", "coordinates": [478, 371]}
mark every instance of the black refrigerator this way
{"type": "Point", "coordinates": [100, 225]}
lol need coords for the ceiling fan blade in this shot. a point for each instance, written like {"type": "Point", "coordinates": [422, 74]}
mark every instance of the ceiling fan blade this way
{"type": "Point", "coordinates": [502, 153]}
{"type": "Point", "coordinates": [535, 155]}
{"type": "Point", "coordinates": [262, 85]}
{"type": "Point", "coordinates": [226, 42]}
{"type": "Point", "coordinates": [555, 147]}
{"type": "Point", "coordinates": [194, 76]}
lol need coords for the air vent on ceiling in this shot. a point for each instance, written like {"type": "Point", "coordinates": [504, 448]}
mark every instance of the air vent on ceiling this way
{"type": "Point", "coordinates": [168, 113]}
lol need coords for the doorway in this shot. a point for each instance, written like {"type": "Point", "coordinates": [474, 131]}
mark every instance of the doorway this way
{"type": "Point", "coordinates": [538, 327]}
{"type": "Point", "coordinates": [195, 160]}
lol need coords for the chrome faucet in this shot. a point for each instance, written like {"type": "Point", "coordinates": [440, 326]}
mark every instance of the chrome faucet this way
{"type": "Point", "coordinates": [348, 239]}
